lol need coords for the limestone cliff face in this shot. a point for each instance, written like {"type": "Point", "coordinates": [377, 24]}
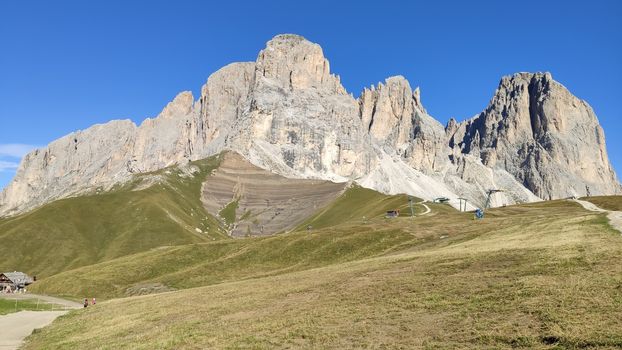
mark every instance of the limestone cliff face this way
{"type": "Point", "coordinates": [222, 101]}
{"type": "Point", "coordinates": [298, 119]}
{"type": "Point", "coordinates": [543, 135]}
{"type": "Point", "coordinates": [290, 61]}
{"type": "Point", "coordinates": [289, 114]}
{"type": "Point", "coordinates": [396, 120]}
{"type": "Point", "coordinates": [84, 159]}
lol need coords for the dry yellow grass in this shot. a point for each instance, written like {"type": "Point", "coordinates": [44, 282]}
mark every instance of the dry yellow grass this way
{"type": "Point", "coordinates": [544, 275]}
{"type": "Point", "coordinates": [606, 202]}
{"type": "Point", "coordinates": [339, 238]}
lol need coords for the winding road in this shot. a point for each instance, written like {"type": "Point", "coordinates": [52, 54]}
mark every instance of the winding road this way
{"type": "Point", "coordinates": [427, 209]}
{"type": "Point", "coordinates": [17, 326]}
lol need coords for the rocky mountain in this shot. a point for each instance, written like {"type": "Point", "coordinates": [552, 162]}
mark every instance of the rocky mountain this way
{"type": "Point", "coordinates": [288, 114]}
{"type": "Point", "coordinates": [538, 131]}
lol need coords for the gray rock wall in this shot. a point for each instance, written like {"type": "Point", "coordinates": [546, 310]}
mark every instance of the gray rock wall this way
{"type": "Point", "coordinates": [540, 133]}
{"type": "Point", "coordinates": [287, 113]}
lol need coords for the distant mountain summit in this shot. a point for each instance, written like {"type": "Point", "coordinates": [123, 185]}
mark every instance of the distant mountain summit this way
{"type": "Point", "coordinates": [286, 113]}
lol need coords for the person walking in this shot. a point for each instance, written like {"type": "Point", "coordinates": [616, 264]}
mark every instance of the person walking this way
{"type": "Point", "coordinates": [93, 302]}
{"type": "Point", "coordinates": [86, 302]}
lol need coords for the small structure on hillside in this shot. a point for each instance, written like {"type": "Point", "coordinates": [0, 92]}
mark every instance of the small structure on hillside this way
{"type": "Point", "coordinates": [441, 200]}
{"type": "Point", "coordinates": [463, 203]}
{"type": "Point", "coordinates": [14, 280]}
{"type": "Point", "coordinates": [479, 214]}
{"type": "Point", "coordinates": [393, 213]}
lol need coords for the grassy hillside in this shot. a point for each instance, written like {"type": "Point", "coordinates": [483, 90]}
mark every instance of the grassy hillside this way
{"type": "Point", "coordinates": [606, 202]}
{"type": "Point", "coordinates": [8, 306]}
{"type": "Point", "coordinates": [358, 204]}
{"type": "Point", "coordinates": [345, 238]}
{"type": "Point", "coordinates": [211, 263]}
{"type": "Point", "coordinates": [544, 275]}
{"type": "Point", "coordinates": [84, 230]}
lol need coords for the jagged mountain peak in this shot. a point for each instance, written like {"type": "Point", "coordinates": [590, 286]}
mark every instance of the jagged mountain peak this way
{"type": "Point", "coordinates": [296, 63]}
{"type": "Point", "coordinates": [288, 114]}
{"type": "Point", "coordinates": [547, 137]}
{"type": "Point", "coordinates": [527, 76]}
{"type": "Point", "coordinates": [182, 104]}
{"type": "Point", "coordinates": [289, 39]}
{"type": "Point", "coordinates": [399, 80]}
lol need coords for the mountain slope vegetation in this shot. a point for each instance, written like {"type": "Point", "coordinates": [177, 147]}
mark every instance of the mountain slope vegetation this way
{"type": "Point", "coordinates": [346, 277]}
{"type": "Point", "coordinates": [524, 277]}
{"type": "Point", "coordinates": [337, 240]}
{"type": "Point", "coordinates": [156, 209]}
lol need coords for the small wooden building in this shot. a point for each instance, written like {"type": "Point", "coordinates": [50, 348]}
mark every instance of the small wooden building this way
{"type": "Point", "coordinates": [14, 280]}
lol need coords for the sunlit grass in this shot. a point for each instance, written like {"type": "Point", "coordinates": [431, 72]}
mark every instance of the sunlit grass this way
{"type": "Point", "coordinates": [544, 275]}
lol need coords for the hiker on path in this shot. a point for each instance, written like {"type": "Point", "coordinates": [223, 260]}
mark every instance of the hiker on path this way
{"type": "Point", "coordinates": [86, 302]}
{"type": "Point", "coordinates": [93, 303]}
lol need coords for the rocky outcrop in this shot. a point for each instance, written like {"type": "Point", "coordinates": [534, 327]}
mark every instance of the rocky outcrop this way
{"type": "Point", "coordinates": [396, 121]}
{"type": "Point", "coordinates": [289, 114]}
{"type": "Point", "coordinates": [82, 160]}
{"type": "Point", "coordinates": [292, 62]}
{"type": "Point", "coordinates": [541, 134]}
{"type": "Point", "coordinates": [298, 119]}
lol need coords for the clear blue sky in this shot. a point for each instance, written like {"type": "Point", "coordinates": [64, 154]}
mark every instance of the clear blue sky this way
{"type": "Point", "coordinates": [65, 65]}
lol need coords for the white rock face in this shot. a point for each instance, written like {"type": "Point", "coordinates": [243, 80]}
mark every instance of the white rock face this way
{"type": "Point", "coordinates": [84, 159]}
{"type": "Point", "coordinates": [541, 134]}
{"type": "Point", "coordinates": [398, 123]}
{"type": "Point", "coordinates": [292, 62]}
{"type": "Point", "coordinates": [287, 113]}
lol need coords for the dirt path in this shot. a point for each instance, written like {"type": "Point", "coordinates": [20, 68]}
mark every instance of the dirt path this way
{"type": "Point", "coordinates": [16, 326]}
{"type": "Point", "coordinates": [427, 209]}
{"type": "Point", "coordinates": [615, 217]}
{"type": "Point", "coordinates": [45, 298]}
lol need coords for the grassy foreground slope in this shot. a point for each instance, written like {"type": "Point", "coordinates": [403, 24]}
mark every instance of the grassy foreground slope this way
{"type": "Point", "coordinates": [156, 209]}
{"type": "Point", "coordinates": [9, 306]}
{"type": "Point", "coordinates": [544, 275]}
{"type": "Point", "coordinates": [346, 239]}
{"type": "Point", "coordinates": [210, 263]}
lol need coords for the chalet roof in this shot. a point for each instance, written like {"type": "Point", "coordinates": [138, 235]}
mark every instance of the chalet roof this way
{"type": "Point", "coordinates": [18, 277]}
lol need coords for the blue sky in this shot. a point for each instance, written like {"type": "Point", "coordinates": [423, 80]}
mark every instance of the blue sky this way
{"type": "Point", "coordinates": [65, 65]}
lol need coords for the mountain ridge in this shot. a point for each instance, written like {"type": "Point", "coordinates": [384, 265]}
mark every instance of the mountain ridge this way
{"type": "Point", "coordinates": [289, 114]}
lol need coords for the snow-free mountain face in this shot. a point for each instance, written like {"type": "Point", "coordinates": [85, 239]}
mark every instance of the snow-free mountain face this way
{"type": "Point", "coordinates": [288, 114]}
{"type": "Point", "coordinates": [547, 138]}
